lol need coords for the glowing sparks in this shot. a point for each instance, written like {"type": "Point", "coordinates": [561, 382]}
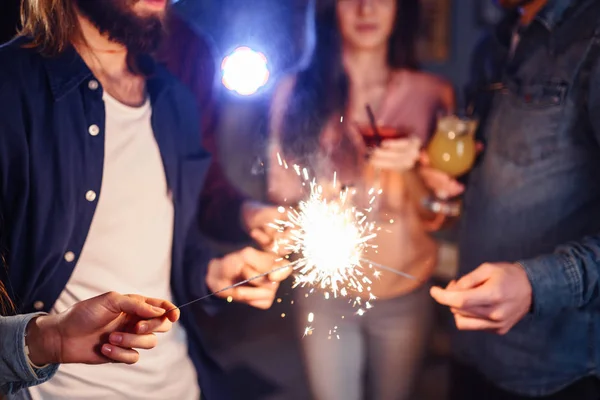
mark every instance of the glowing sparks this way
{"type": "Point", "coordinates": [332, 236]}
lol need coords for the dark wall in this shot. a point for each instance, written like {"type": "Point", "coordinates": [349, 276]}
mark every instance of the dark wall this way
{"type": "Point", "coordinates": [9, 17]}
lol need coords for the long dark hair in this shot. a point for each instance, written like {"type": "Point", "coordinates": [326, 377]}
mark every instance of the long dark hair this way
{"type": "Point", "coordinates": [321, 89]}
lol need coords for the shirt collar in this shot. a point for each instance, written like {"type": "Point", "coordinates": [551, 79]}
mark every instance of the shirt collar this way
{"type": "Point", "coordinates": [67, 70]}
{"type": "Point", "coordinates": [553, 12]}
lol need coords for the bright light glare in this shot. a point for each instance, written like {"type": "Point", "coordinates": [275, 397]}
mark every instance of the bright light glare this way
{"type": "Point", "coordinates": [245, 71]}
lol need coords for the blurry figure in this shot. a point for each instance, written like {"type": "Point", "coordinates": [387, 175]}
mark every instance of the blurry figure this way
{"type": "Point", "coordinates": [231, 216]}
{"type": "Point", "coordinates": [364, 55]}
{"type": "Point", "coordinates": [100, 330]}
{"type": "Point", "coordinates": [526, 300]}
{"type": "Point", "coordinates": [102, 168]}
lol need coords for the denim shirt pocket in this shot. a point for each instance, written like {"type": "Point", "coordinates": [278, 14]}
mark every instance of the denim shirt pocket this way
{"type": "Point", "coordinates": [529, 117]}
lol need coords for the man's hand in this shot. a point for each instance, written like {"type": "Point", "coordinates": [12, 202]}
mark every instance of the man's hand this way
{"type": "Point", "coordinates": [440, 183]}
{"type": "Point", "coordinates": [100, 330]}
{"type": "Point", "coordinates": [243, 265]}
{"type": "Point", "coordinates": [494, 298]}
{"type": "Point", "coordinates": [259, 220]}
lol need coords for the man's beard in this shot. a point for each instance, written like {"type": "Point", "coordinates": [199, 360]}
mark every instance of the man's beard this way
{"type": "Point", "coordinates": [117, 20]}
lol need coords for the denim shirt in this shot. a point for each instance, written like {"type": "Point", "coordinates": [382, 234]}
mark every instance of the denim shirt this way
{"type": "Point", "coordinates": [52, 120]}
{"type": "Point", "coordinates": [15, 371]}
{"type": "Point", "coordinates": [534, 198]}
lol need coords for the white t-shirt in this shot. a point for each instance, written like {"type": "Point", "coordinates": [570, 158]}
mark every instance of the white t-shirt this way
{"type": "Point", "coordinates": [128, 250]}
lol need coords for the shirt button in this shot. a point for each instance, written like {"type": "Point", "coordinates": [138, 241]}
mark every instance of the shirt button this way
{"type": "Point", "coordinates": [90, 195]}
{"type": "Point", "coordinates": [38, 305]}
{"type": "Point", "coordinates": [93, 84]}
{"type": "Point", "coordinates": [69, 256]}
{"type": "Point", "coordinates": [94, 130]}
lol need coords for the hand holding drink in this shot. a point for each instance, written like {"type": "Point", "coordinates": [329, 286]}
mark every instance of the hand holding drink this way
{"type": "Point", "coordinates": [390, 148]}
{"type": "Point", "coordinates": [452, 152]}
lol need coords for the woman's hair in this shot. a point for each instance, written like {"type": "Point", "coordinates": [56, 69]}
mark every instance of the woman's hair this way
{"type": "Point", "coordinates": [51, 24]}
{"type": "Point", "coordinates": [321, 89]}
{"type": "Point", "coordinates": [6, 305]}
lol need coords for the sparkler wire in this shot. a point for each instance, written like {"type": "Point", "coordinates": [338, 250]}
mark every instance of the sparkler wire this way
{"type": "Point", "coordinates": [291, 265]}
{"type": "Point", "coordinates": [395, 271]}
{"type": "Point", "coordinates": [232, 286]}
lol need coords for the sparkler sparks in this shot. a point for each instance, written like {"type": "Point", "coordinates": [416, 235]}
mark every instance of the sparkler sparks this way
{"type": "Point", "coordinates": [332, 236]}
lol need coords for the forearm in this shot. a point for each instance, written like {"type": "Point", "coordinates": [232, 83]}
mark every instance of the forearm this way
{"type": "Point", "coordinates": [567, 279]}
{"type": "Point", "coordinates": [16, 372]}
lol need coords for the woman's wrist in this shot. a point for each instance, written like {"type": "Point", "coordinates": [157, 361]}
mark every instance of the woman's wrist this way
{"type": "Point", "coordinates": [43, 341]}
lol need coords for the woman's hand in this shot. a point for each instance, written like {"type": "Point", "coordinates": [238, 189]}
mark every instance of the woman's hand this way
{"type": "Point", "coordinates": [396, 154]}
{"type": "Point", "coordinates": [103, 329]}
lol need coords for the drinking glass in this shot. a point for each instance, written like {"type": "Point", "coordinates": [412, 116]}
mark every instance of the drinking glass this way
{"type": "Point", "coordinates": [451, 150]}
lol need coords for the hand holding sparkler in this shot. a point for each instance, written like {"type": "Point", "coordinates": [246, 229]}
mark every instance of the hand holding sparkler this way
{"type": "Point", "coordinates": [247, 265]}
{"type": "Point", "coordinates": [258, 219]}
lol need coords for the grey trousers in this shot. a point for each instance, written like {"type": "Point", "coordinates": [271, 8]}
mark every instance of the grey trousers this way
{"type": "Point", "coordinates": [378, 355]}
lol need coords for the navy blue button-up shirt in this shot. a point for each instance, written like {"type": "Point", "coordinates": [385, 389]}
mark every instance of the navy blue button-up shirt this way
{"type": "Point", "coordinates": [52, 121]}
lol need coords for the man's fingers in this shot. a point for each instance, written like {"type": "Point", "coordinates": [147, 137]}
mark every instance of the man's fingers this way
{"type": "Point", "coordinates": [166, 306]}
{"type": "Point", "coordinates": [462, 299]}
{"type": "Point", "coordinates": [440, 182]}
{"type": "Point", "coordinates": [281, 274]}
{"type": "Point", "coordinates": [120, 355]}
{"type": "Point", "coordinates": [252, 295]}
{"type": "Point", "coordinates": [162, 324]}
{"type": "Point", "coordinates": [260, 261]}
{"type": "Point", "coordinates": [261, 237]}
{"type": "Point", "coordinates": [474, 312]}
{"type": "Point", "coordinates": [475, 324]}
{"type": "Point", "coordinates": [132, 305]}
{"type": "Point", "coordinates": [261, 304]}
{"type": "Point", "coordinates": [252, 276]}
{"type": "Point", "coordinates": [133, 341]}
{"type": "Point", "coordinates": [474, 278]}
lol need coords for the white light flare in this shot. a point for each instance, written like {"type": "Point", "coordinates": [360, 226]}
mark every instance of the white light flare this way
{"type": "Point", "coordinates": [245, 71]}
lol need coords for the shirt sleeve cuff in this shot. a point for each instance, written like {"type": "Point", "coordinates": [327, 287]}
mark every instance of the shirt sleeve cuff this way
{"type": "Point", "coordinates": [555, 283]}
{"type": "Point", "coordinates": [21, 374]}
{"type": "Point", "coordinates": [35, 374]}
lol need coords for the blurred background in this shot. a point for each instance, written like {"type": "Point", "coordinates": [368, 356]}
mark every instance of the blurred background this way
{"type": "Point", "coordinates": [258, 350]}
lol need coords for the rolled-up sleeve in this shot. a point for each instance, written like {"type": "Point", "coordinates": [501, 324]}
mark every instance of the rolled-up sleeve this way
{"type": "Point", "coordinates": [569, 278]}
{"type": "Point", "coordinates": [15, 371]}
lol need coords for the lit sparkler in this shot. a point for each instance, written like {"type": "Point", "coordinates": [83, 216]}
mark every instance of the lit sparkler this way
{"type": "Point", "coordinates": [332, 236]}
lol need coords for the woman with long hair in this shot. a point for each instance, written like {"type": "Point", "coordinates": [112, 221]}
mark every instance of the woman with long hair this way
{"type": "Point", "coordinates": [365, 54]}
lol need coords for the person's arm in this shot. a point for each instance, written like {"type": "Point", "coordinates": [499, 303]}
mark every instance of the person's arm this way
{"type": "Point", "coordinates": [16, 372]}
{"type": "Point", "coordinates": [570, 277]}
{"type": "Point", "coordinates": [32, 345]}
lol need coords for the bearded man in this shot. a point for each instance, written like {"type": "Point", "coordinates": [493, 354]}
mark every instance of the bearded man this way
{"type": "Point", "coordinates": [101, 170]}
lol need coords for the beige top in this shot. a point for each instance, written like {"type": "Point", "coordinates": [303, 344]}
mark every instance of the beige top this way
{"type": "Point", "coordinates": [402, 243]}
